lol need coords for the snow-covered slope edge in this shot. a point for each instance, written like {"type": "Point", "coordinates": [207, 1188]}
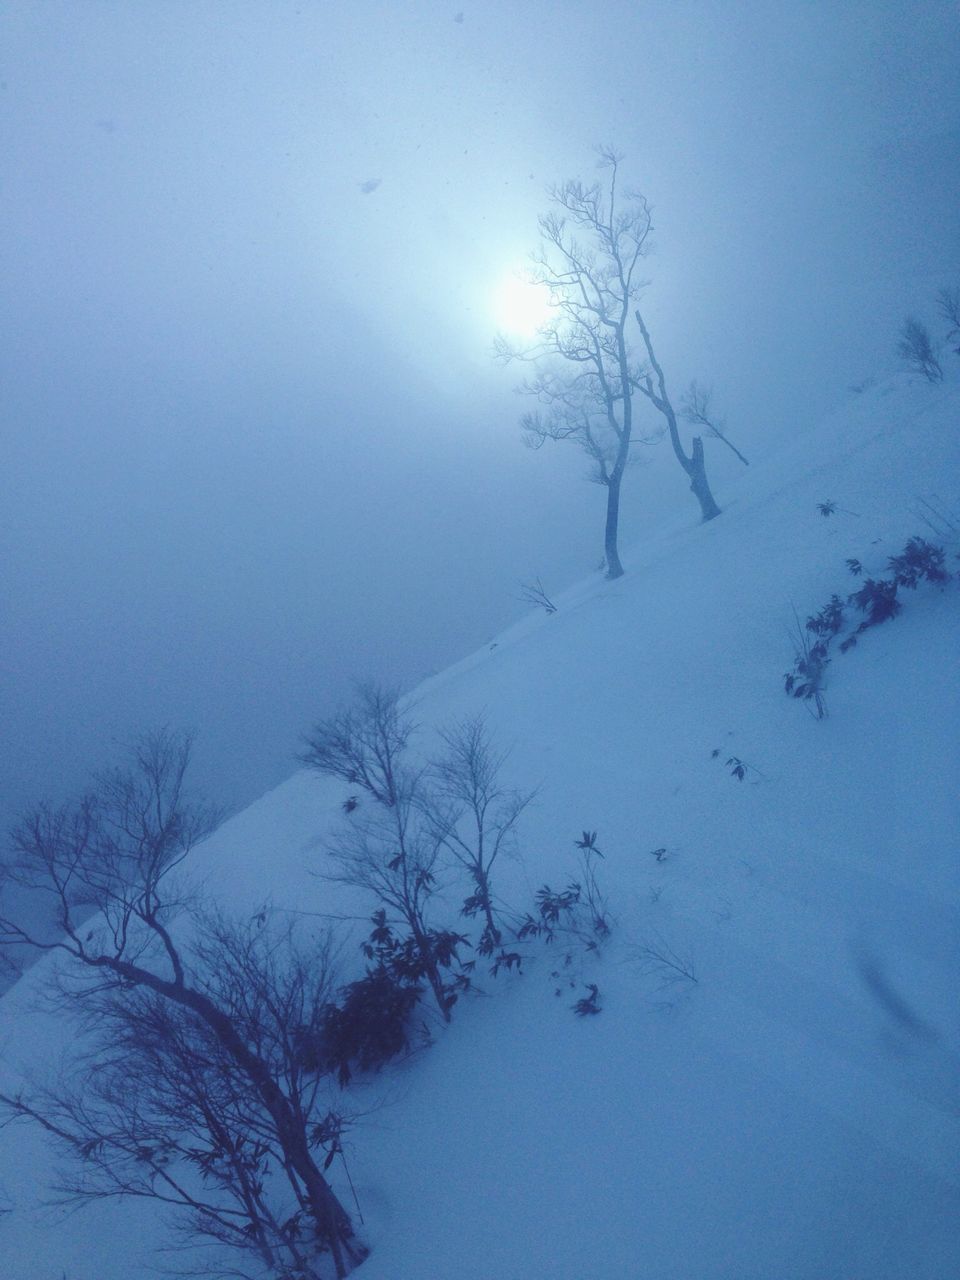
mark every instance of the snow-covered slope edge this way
{"type": "Point", "coordinates": [774, 1119]}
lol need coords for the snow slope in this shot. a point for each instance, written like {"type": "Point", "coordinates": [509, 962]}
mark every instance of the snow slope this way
{"type": "Point", "coordinates": [792, 1114]}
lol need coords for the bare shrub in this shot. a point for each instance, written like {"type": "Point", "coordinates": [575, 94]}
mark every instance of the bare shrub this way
{"type": "Point", "coordinates": [916, 349]}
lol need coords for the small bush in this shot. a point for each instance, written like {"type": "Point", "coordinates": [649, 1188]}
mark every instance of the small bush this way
{"type": "Point", "coordinates": [918, 560]}
{"type": "Point", "coordinates": [369, 1027]}
{"type": "Point", "coordinates": [877, 599]}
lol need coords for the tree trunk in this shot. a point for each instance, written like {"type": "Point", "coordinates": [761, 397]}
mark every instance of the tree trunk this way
{"type": "Point", "coordinates": [614, 567]}
{"type": "Point", "coordinates": [483, 891]}
{"type": "Point", "coordinates": [332, 1222]}
{"type": "Point", "coordinates": [694, 466]}
{"type": "Point", "coordinates": [697, 471]}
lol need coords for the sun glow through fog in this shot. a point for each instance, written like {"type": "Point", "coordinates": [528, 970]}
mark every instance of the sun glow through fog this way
{"type": "Point", "coordinates": [520, 307]}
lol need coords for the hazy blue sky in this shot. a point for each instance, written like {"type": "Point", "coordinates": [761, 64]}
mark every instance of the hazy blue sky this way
{"type": "Point", "coordinates": [253, 441]}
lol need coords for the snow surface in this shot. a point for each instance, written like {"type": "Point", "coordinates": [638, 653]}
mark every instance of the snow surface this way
{"type": "Point", "coordinates": [775, 1120]}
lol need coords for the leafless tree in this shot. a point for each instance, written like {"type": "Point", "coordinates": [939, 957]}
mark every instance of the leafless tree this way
{"type": "Point", "coordinates": [474, 813]}
{"type": "Point", "coordinates": [696, 409]}
{"type": "Point", "coordinates": [390, 848]}
{"type": "Point", "coordinates": [452, 811]}
{"type": "Point", "coordinates": [220, 999]}
{"type": "Point", "coordinates": [393, 855]}
{"type": "Point", "coordinates": [916, 349]}
{"type": "Point", "coordinates": [592, 247]}
{"type": "Point", "coordinates": [154, 1106]}
{"type": "Point", "coordinates": [694, 462]}
{"type": "Point", "coordinates": [948, 301]}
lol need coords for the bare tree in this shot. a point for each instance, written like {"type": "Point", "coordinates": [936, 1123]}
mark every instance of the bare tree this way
{"type": "Point", "coordinates": [474, 814]}
{"type": "Point", "coordinates": [696, 409]}
{"type": "Point", "coordinates": [392, 854]}
{"type": "Point", "coordinates": [390, 849]}
{"type": "Point", "coordinates": [592, 247]}
{"type": "Point", "coordinates": [916, 349]}
{"type": "Point", "coordinates": [693, 463]}
{"type": "Point", "coordinates": [395, 848]}
{"type": "Point", "coordinates": [154, 1106]}
{"type": "Point", "coordinates": [216, 998]}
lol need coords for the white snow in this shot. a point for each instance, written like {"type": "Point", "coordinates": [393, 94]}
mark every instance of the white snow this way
{"type": "Point", "coordinates": [774, 1120]}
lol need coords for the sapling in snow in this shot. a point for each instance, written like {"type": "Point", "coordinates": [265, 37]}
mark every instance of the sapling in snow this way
{"type": "Point", "coordinates": [577, 911]}
{"type": "Point", "coordinates": [534, 593]}
{"type": "Point", "coordinates": [473, 814]}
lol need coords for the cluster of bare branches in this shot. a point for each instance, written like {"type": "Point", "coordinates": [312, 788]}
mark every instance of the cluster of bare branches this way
{"type": "Point", "coordinates": [916, 349]}
{"type": "Point", "coordinates": [535, 593]}
{"type": "Point", "coordinates": [419, 822]}
{"type": "Point", "coordinates": [191, 1088]}
{"type": "Point", "coordinates": [659, 961]}
{"type": "Point", "coordinates": [474, 814]}
{"type": "Point", "coordinates": [697, 410]}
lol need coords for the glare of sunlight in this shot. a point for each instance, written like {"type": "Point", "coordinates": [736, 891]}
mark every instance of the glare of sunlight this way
{"type": "Point", "coordinates": [521, 307]}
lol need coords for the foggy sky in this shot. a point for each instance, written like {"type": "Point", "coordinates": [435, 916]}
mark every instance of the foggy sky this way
{"type": "Point", "coordinates": [253, 444]}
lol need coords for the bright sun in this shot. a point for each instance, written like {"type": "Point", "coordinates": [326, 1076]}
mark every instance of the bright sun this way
{"type": "Point", "coordinates": [520, 307]}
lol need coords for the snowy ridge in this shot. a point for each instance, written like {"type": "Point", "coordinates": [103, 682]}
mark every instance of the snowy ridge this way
{"type": "Point", "coordinates": [774, 1120]}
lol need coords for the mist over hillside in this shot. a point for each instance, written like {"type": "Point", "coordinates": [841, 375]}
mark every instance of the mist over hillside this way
{"type": "Point", "coordinates": [752, 1069]}
{"type": "Point", "coordinates": [252, 258]}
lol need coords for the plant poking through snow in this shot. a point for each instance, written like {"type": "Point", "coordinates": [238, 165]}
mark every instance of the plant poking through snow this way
{"type": "Point", "coordinates": [658, 959]}
{"type": "Point", "coordinates": [474, 815]}
{"type": "Point", "coordinates": [916, 349]}
{"type": "Point", "coordinates": [830, 508]}
{"type": "Point", "coordinates": [934, 514]}
{"type": "Point", "coordinates": [806, 681]}
{"type": "Point", "coordinates": [534, 593]}
{"type": "Point", "coordinates": [590, 1003]}
{"type": "Point", "coordinates": [579, 910]}
{"type": "Point", "coordinates": [328, 1134]}
{"type": "Point", "coordinates": [877, 599]}
{"type": "Point", "coordinates": [918, 560]}
{"type": "Point", "coordinates": [739, 768]}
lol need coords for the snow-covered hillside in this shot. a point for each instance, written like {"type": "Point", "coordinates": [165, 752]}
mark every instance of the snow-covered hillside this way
{"type": "Point", "coordinates": [793, 1113]}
